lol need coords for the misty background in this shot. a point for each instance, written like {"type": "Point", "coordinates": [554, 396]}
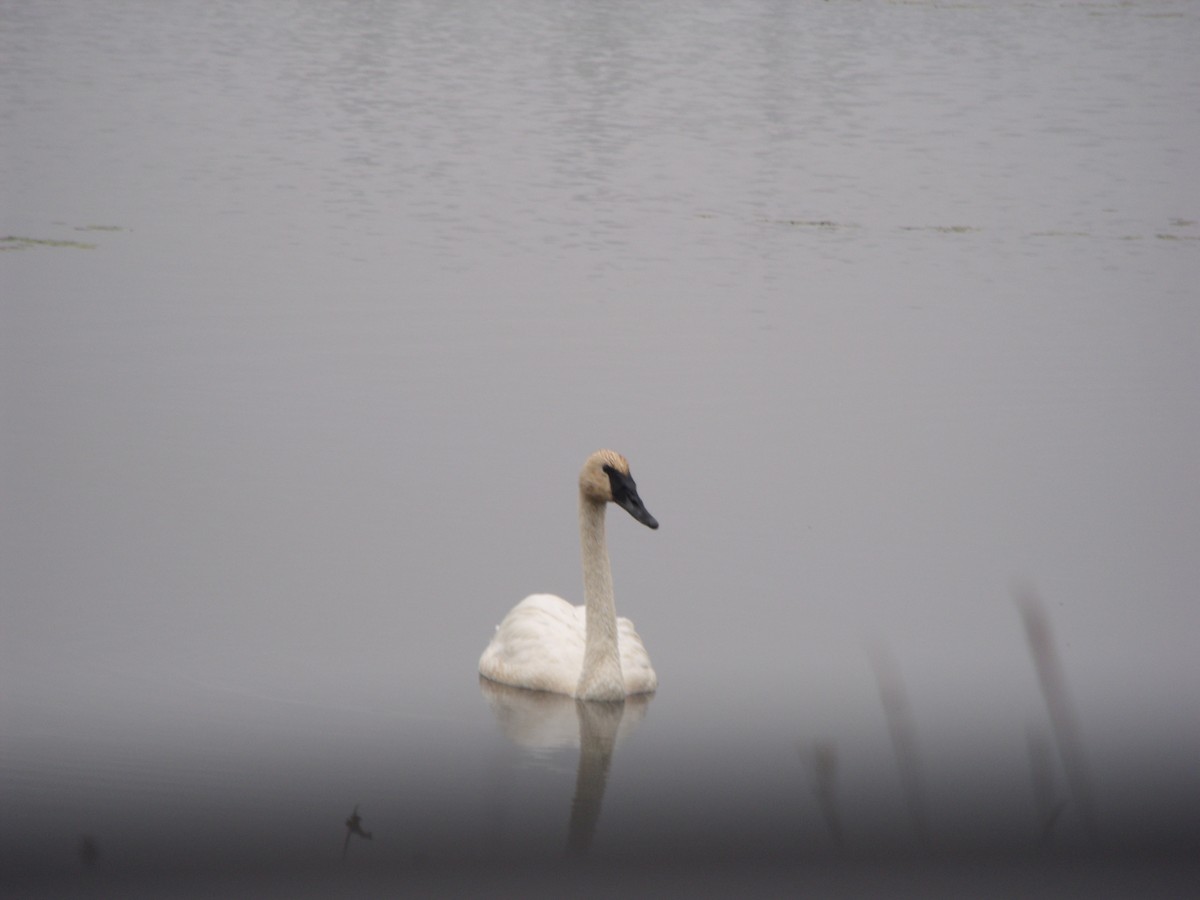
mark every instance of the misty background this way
{"type": "Point", "coordinates": [310, 313]}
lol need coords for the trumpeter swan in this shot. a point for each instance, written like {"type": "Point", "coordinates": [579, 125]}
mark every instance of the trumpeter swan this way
{"type": "Point", "coordinates": [546, 644]}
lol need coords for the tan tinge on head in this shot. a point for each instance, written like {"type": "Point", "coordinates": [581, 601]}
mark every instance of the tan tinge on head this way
{"type": "Point", "coordinates": [593, 480]}
{"type": "Point", "coordinates": [611, 458]}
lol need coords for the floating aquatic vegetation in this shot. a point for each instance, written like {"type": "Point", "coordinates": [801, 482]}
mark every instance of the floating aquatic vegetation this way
{"type": "Point", "coordinates": [936, 4]}
{"type": "Point", "coordinates": [943, 229]}
{"type": "Point", "coordinates": [823, 224]}
{"type": "Point", "coordinates": [21, 242]}
{"type": "Point", "coordinates": [15, 242]}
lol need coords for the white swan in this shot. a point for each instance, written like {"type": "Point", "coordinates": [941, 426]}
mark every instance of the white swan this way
{"type": "Point", "coordinates": [546, 644]}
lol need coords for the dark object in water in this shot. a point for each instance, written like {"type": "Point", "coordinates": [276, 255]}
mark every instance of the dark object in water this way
{"type": "Point", "coordinates": [88, 851]}
{"type": "Point", "coordinates": [354, 826]}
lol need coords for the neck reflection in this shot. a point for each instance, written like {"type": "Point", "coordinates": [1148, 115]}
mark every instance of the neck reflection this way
{"type": "Point", "coordinates": [540, 721]}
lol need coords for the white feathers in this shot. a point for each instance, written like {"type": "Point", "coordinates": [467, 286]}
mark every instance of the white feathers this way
{"type": "Point", "coordinates": [546, 644]}
{"type": "Point", "coordinates": [540, 646]}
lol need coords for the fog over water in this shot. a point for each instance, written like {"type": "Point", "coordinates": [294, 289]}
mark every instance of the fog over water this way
{"type": "Point", "coordinates": [310, 313]}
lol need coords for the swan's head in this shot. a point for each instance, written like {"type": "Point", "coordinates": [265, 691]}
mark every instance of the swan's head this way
{"type": "Point", "coordinates": [605, 478]}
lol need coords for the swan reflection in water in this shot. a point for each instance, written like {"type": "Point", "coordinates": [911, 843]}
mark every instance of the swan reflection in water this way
{"type": "Point", "coordinates": [540, 721]}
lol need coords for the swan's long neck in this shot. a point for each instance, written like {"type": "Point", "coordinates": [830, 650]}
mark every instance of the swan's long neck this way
{"type": "Point", "coordinates": [601, 678]}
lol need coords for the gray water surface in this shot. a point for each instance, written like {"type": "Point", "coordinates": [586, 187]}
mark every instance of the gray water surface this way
{"type": "Point", "coordinates": [309, 314]}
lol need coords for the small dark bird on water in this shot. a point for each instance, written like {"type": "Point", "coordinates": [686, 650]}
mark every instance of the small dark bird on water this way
{"type": "Point", "coordinates": [354, 826]}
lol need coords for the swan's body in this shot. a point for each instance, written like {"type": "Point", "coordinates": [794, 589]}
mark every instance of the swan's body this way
{"type": "Point", "coordinates": [540, 646]}
{"type": "Point", "coordinates": [546, 644]}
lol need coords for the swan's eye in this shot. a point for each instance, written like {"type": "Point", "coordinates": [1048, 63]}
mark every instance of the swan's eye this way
{"type": "Point", "coordinates": [620, 484]}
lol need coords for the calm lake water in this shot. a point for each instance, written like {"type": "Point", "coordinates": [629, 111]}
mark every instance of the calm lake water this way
{"type": "Point", "coordinates": [310, 312]}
